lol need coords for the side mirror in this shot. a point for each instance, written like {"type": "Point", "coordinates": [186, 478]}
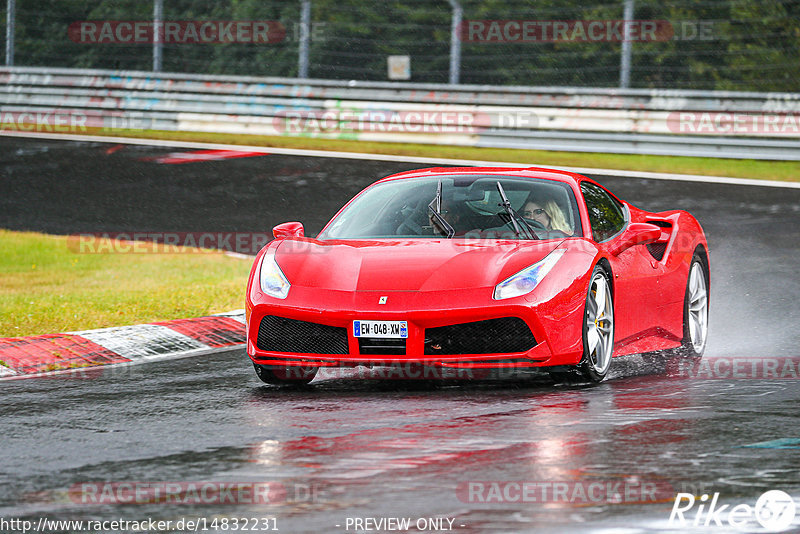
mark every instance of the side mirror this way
{"type": "Point", "coordinates": [636, 234]}
{"type": "Point", "coordinates": [288, 229]}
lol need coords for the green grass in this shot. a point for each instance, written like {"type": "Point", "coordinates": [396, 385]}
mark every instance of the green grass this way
{"type": "Point", "coordinates": [739, 168]}
{"type": "Point", "coordinates": [46, 288]}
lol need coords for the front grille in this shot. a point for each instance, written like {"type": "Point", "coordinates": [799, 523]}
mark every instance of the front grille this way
{"type": "Point", "coordinates": [494, 336]}
{"type": "Point", "coordinates": [370, 345]}
{"type": "Point", "coordinates": [278, 334]}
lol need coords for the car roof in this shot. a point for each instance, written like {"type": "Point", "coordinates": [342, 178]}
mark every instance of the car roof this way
{"type": "Point", "coordinates": [541, 173]}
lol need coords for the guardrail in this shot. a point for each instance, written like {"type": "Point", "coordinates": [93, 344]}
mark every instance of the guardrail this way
{"type": "Point", "coordinates": [635, 121]}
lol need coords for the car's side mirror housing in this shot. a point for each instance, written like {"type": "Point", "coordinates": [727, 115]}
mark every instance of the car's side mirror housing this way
{"type": "Point", "coordinates": [636, 234]}
{"type": "Point", "coordinates": [288, 229]}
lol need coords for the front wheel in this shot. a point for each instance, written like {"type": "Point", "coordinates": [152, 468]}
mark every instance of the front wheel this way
{"type": "Point", "coordinates": [598, 328]}
{"type": "Point", "coordinates": [276, 375]}
{"type": "Point", "coordinates": [598, 332]}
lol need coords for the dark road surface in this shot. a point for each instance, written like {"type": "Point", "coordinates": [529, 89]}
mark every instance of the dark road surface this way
{"type": "Point", "coordinates": [350, 447]}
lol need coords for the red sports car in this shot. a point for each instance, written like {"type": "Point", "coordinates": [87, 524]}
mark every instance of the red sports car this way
{"type": "Point", "coordinates": [476, 268]}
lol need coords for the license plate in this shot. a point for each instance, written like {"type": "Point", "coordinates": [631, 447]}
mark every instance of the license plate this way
{"type": "Point", "coordinates": [381, 329]}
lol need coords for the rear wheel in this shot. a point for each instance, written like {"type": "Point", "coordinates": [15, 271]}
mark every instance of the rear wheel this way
{"type": "Point", "coordinates": [278, 375]}
{"type": "Point", "coordinates": [695, 310]}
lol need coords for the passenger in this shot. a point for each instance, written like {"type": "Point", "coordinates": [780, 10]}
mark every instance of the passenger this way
{"type": "Point", "coordinates": [548, 215]}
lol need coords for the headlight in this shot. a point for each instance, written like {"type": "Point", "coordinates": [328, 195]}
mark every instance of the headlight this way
{"type": "Point", "coordinates": [273, 281]}
{"type": "Point", "coordinates": [524, 281]}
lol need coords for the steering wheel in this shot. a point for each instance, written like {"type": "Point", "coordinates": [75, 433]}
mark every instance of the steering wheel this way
{"type": "Point", "coordinates": [536, 225]}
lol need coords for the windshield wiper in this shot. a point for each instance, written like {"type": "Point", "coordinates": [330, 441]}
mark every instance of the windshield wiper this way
{"type": "Point", "coordinates": [512, 215]}
{"type": "Point", "coordinates": [435, 209]}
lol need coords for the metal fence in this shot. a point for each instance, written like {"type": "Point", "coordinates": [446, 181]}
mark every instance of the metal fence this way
{"type": "Point", "coordinates": [633, 121]}
{"type": "Point", "coordinates": [743, 45]}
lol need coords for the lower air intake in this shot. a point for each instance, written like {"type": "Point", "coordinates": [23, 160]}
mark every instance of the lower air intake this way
{"type": "Point", "coordinates": [494, 336]}
{"type": "Point", "coordinates": [278, 334]}
{"type": "Point", "coordinates": [381, 346]}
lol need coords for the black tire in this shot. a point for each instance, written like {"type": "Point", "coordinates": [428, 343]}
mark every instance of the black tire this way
{"type": "Point", "coordinates": [590, 367]}
{"type": "Point", "coordinates": [596, 361]}
{"type": "Point", "coordinates": [695, 320]}
{"type": "Point", "coordinates": [285, 376]}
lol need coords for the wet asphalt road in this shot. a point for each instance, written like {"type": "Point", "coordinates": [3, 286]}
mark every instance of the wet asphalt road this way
{"type": "Point", "coordinates": [350, 447]}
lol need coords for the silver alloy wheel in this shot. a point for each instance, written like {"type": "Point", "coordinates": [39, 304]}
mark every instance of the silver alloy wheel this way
{"type": "Point", "coordinates": [698, 307]}
{"type": "Point", "coordinates": [599, 324]}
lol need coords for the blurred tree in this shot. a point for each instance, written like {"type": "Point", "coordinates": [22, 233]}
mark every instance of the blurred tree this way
{"type": "Point", "coordinates": [717, 44]}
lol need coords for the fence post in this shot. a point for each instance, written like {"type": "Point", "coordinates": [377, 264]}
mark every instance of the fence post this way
{"type": "Point", "coordinates": [10, 33]}
{"type": "Point", "coordinates": [625, 56]}
{"type": "Point", "coordinates": [158, 34]}
{"type": "Point", "coordinates": [305, 37]}
{"type": "Point", "coordinates": [455, 42]}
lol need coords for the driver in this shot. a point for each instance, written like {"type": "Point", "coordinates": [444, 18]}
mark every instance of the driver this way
{"type": "Point", "coordinates": [548, 214]}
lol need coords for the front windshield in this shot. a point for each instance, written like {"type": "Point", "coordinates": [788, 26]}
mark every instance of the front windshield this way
{"type": "Point", "coordinates": [470, 204]}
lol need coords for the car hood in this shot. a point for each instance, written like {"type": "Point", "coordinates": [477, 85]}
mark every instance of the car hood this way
{"type": "Point", "coordinates": [406, 265]}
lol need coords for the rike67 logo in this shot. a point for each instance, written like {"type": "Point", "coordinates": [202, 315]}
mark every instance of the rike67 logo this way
{"type": "Point", "coordinates": [774, 511]}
